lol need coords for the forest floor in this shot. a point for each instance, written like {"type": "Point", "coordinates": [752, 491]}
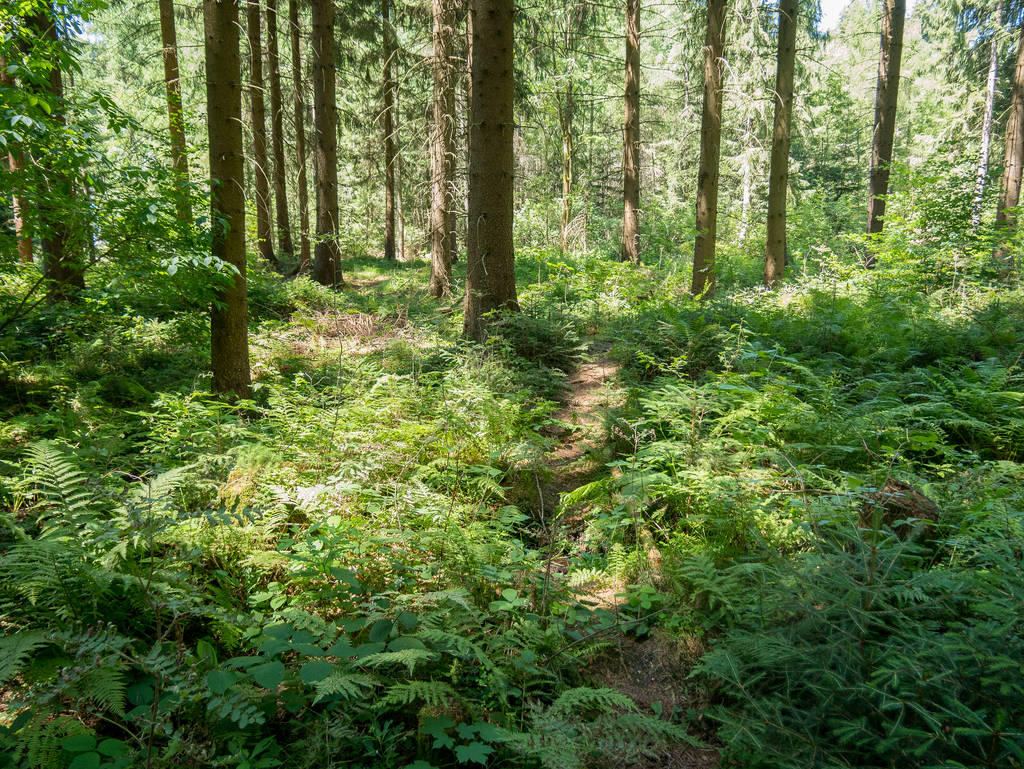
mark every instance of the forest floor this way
{"type": "Point", "coordinates": [567, 547]}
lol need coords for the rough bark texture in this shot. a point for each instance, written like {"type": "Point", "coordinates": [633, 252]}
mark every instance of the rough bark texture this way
{"type": "Point", "coordinates": [326, 255]}
{"type": "Point", "coordinates": [490, 276]}
{"type": "Point", "coordinates": [778, 179]}
{"type": "Point", "coordinates": [981, 176]}
{"type": "Point", "coordinates": [300, 132]}
{"type": "Point", "coordinates": [710, 153]}
{"type": "Point", "coordinates": [631, 136]}
{"type": "Point", "coordinates": [1009, 188]}
{"type": "Point", "coordinates": [442, 158]}
{"type": "Point", "coordinates": [284, 229]}
{"type": "Point", "coordinates": [15, 163]}
{"type": "Point", "coordinates": [65, 274]}
{"type": "Point", "coordinates": [886, 93]}
{"type": "Point", "coordinates": [388, 120]}
{"type": "Point", "coordinates": [175, 114]}
{"type": "Point", "coordinates": [261, 169]}
{"type": "Point", "coordinates": [229, 336]}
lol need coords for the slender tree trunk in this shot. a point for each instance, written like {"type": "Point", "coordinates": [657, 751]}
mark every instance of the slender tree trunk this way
{"type": "Point", "coordinates": [264, 224]}
{"type": "Point", "coordinates": [710, 153]}
{"type": "Point", "coordinates": [15, 163]}
{"type": "Point", "coordinates": [490, 261]}
{"type": "Point", "coordinates": [399, 207]}
{"type": "Point", "coordinates": [886, 93]}
{"type": "Point", "coordinates": [175, 113]}
{"type": "Point", "coordinates": [778, 179]}
{"type": "Point", "coordinates": [229, 333]}
{"type": "Point", "coordinates": [442, 152]}
{"type": "Point", "coordinates": [388, 119]}
{"type": "Point", "coordinates": [566, 109]}
{"type": "Point", "coordinates": [284, 229]}
{"type": "Point", "coordinates": [326, 255]}
{"type": "Point", "coordinates": [300, 133]}
{"type": "Point", "coordinates": [65, 274]}
{"type": "Point", "coordinates": [631, 137]}
{"type": "Point", "coordinates": [981, 177]}
{"type": "Point", "coordinates": [1009, 188]}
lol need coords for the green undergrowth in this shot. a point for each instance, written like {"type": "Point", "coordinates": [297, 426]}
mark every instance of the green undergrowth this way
{"type": "Point", "coordinates": [353, 565]}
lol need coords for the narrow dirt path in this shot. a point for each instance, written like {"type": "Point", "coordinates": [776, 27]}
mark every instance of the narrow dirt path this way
{"type": "Point", "coordinates": [589, 392]}
{"type": "Point", "coordinates": [653, 672]}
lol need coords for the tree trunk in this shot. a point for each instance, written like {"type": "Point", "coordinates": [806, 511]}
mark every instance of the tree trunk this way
{"type": "Point", "coordinates": [175, 113]}
{"type": "Point", "coordinates": [388, 120]}
{"type": "Point", "coordinates": [229, 334]}
{"type": "Point", "coordinates": [65, 274]}
{"type": "Point", "coordinates": [300, 133]}
{"type": "Point", "coordinates": [631, 136]}
{"type": "Point", "coordinates": [981, 177]}
{"type": "Point", "coordinates": [264, 225]}
{"type": "Point", "coordinates": [15, 163]}
{"type": "Point", "coordinates": [1009, 188]}
{"type": "Point", "coordinates": [710, 153]}
{"type": "Point", "coordinates": [566, 110]}
{"type": "Point", "coordinates": [326, 255]}
{"type": "Point", "coordinates": [490, 261]}
{"type": "Point", "coordinates": [442, 152]}
{"type": "Point", "coordinates": [886, 92]}
{"type": "Point", "coordinates": [778, 178]}
{"type": "Point", "coordinates": [399, 207]}
{"type": "Point", "coordinates": [284, 230]}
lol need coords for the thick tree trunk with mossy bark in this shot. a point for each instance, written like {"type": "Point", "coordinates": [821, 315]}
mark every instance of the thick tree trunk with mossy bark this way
{"type": "Point", "coordinates": [490, 274]}
{"type": "Point", "coordinates": [1013, 163]}
{"type": "Point", "coordinates": [710, 153]}
{"type": "Point", "coordinates": [886, 94]}
{"type": "Point", "coordinates": [388, 121]}
{"type": "Point", "coordinates": [284, 228]}
{"type": "Point", "coordinates": [442, 151]}
{"type": "Point", "coordinates": [631, 137]}
{"type": "Point", "coordinates": [175, 113]}
{"type": "Point", "coordinates": [778, 176]}
{"type": "Point", "coordinates": [294, 34]}
{"type": "Point", "coordinates": [261, 169]}
{"type": "Point", "coordinates": [229, 327]}
{"type": "Point", "coordinates": [326, 255]}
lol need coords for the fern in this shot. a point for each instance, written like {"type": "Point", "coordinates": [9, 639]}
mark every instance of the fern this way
{"type": "Point", "coordinates": [408, 657]}
{"type": "Point", "coordinates": [16, 649]}
{"type": "Point", "coordinates": [345, 684]}
{"type": "Point", "coordinates": [585, 700]}
{"type": "Point", "coordinates": [57, 481]}
{"type": "Point", "coordinates": [431, 693]}
{"type": "Point", "coordinates": [104, 687]}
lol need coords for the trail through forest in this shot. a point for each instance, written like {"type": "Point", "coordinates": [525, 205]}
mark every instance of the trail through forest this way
{"type": "Point", "coordinates": [590, 390]}
{"type": "Point", "coordinates": [653, 671]}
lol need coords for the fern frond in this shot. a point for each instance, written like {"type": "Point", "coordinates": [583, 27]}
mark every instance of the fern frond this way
{"type": "Point", "coordinates": [584, 699]}
{"type": "Point", "coordinates": [104, 687]}
{"type": "Point", "coordinates": [408, 657]}
{"type": "Point", "coordinates": [345, 684]}
{"type": "Point", "coordinates": [431, 693]}
{"type": "Point", "coordinates": [58, 482]}
{"type": "Point", "coordinates": [16, 649]}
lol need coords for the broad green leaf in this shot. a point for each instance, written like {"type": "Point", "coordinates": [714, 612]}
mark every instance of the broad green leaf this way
{"type": "Point", "coordinates": [268, 675]}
